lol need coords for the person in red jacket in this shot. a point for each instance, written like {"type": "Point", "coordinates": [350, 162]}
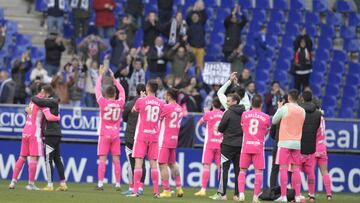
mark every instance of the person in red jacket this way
{"type": "Point", "coordinates": [105, 18]}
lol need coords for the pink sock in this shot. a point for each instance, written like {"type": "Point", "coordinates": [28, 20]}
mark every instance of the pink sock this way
{"type": "Point", "coordinates": [258, 183]}
{"type": "Point", "coordinates": [241, 181]}
{"type": "Point", "coordinates": [296, 181]}
{"type": "Point", "coordinates": [141, 184]}
{"type": "Point", "coordinates": [32, 171]}
{"type": "Point", "coordinates": [327, 183]}
{"type": "Point", "coordinates": [155, 180]}
{"type": "Point", "coordinates": [117, 170]}
{"type": "Point", "coordinates": [205, 178]}
{"type": "Point", "coordinates": [131, 186]}
{"type": "Point", "coordinates": [311, 182]}
{"type": "Point", "coordinates": [18, 166]}
{"type": "Point", "coordinates": [165, 185]}
{"type": "Point", "coordinates": [137, 178]}
{"type": "Point", "coordinates": [101, 170]}
{"type": "Point", "coordinates": [178, 181]}
{"type": "Point", "coordinates": [283, 180]}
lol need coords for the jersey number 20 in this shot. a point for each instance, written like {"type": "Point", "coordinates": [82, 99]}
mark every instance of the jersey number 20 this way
{"type": "Point", "coordinates": [111, 114]}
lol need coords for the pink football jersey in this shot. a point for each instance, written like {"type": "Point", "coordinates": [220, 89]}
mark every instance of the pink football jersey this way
{"type": "Point", "coordinates": [147, 127]}
{"type": "Point", "coordinates": [110, 110]}
{"type": "Point", "coordinates": [255, 125]}
{"type": "Point", "coordinates": [33, 121]}
{"type": "Point", "coordinates": [171, 117]}
{"type": "Point", "coordinates": [320, 137]}
{"type": "Point", "coordinates": [213, 137]}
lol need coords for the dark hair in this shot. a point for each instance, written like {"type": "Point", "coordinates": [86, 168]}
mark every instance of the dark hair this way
{"type": "Point", "coordinates": [294, 94]}
{"type": "Point", "coordinates": [48, 89]}
{"type": "Point", "coordinates": [110, 91]}
{"type": "Point", "coordinates": [216, 103]}
{"type": "Point", "coordinates": [153, 85]}
{"type": "Point", "coordinates": [37, 62]}
{"type": "Point", "coordinates": [140, 88]}
{"type": "Point", "coordinates": [275, 82]}
{"type": "Point", "coordinates": [256, 101]}
{"type": "Point", "coordinates": [235, 97]}
{"type": "Point", "coordinates": [138, 60]}
{"type": "Point", "coordinates": [307, 96]}
{"type": "Point", "coordinates": [240, 92]}
{"type": "Point", "coordinates": [284, 99]}
{"type": "Point", "coordinates": [173, 93]}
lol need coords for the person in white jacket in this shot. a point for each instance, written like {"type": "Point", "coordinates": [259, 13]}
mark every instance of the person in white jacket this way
{"type": "Point", "coordinates": [221, 93]}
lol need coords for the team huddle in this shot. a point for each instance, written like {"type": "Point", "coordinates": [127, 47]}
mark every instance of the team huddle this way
{"type": "Point", "coordinates": [236, 135]}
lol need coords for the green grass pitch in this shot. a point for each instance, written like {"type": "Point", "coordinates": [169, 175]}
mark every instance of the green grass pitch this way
{"type": "Point", "coordinates": [85, 193]}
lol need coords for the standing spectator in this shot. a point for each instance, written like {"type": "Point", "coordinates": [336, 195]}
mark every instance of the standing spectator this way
{"type": "Point", "coordinates": [261, 46]}
{"type": "Point", "coordinates": [176, 30]}
{"type": "Point", "coordinates": [105, 18]}
{"type": "Point", "coordinates": [157, 59]}
{"type": "Point", "coordinates": [137, 76]}
{"type": "Point", "coordinates": [81, 15]}
{"type": "Point", "coordinates": [38, 72]}
{"type": "Point", "coordinates": [91, 47]}
{"type": "Point", "coordinates": [18, 72]}
{"type": "Point", "coordinates": [273, 97]}
{"type": "Point", "coordinates": [196, 20]}
{"type": "Point", "coordinates": [164, 10]}
{"type": "Point", "coordinates": [208, 102]}
{"type": "Point", "coordinates": [180, 58]}
{"type": "Point", "coordinates": [76, 82]}
{"type": "Point", "coordinates": [244, 78]}
{"type": "Point", "coordinates": [251, 90]}
{"type": "Point", "coordinates": [238, 59]}
{"type": "Point", "coordinates": [7, 88]}
{"type": "Point", "coordinates": [192, 96]}
{"type": "Point", "coordinates": [302, 66]}
{"type": "Point", "coordinates": [92, 74]}
{"type": "Point", "coordinates": [119, 49]}
{"type": "Point", "coordinates": [233, 27]}
{"type": "Point", "coordinates": [308, 41]}
{"type": "Point", "coordinates": [53, 49]}
{"type": "Point", "coordinates": [135, 8]}
{"type": "Point", "coordinates": [2, 36]}
{"type": "Point", "coordinates": [60, 83]}
{"type": "Point", "coordinates": [55, 16]}
{"type": "Point", "coordinates": [127, 24]}
{"type": "Point", "coordinates": [151, 29]}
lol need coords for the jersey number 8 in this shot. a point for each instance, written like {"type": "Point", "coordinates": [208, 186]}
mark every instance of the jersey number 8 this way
{"type": "Point", "coordinates": [253, 128]}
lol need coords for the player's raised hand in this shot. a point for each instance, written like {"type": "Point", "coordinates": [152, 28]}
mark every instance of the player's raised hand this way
{"type": "Point", "coordinates": [233, 77]}
{"type": "Point", "coordinates": [102, 70]}
{"type": "Point", "coordinates": [111, 74]}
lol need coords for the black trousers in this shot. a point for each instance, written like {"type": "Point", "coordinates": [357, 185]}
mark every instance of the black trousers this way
{"type": "Point", "coordinates": [274, 168]}
{"type": "Point", "coordinates": [301, 81]}
{"type": "Point", "coordinates": [52, 154]}
{"type": "Point", "coordinates": [128, 149]}
{"type": "Point", "coordinates": [229, 154]}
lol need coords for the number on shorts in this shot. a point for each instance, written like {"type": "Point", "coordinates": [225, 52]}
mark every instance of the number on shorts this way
{"type": "Point", "coordinates": [253, 129]}
{"type": "Point", "coordinates": [216, 131]}
{"type": "Point", "coordinates": [175, 117]}
{"type": "Point", "coordinates": [111, 114]}
{"type": "Point", "coordinates": [152, 113]}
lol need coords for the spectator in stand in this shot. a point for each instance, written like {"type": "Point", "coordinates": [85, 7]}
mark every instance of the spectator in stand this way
{"type": "Point", "coordinates": [302, 65]}
{"type": "Point", "coordinates": [120, 48]}
{"type": "Point", "coordinates": [91, 47]}
{"type": "Point", "coordinates": [135, 8]}
{"type": "Point", "coordinates": [2, 36]}
{"type": "Point", "coordinates": [81, 15]}
{"type": "Point", "coordinates": [105, 18]}
{"type": "Point", "coordinates": [160, 93]}
{"type": "Point", "coordinates": [60, 83]}
{"type": "Point", "coordinates": [38, 72]}
{"type": "Point", "coordinates": [251, 90]}
{"type": "Point", "coordinates": [176, 30]}
{"type": "Point", "coordinates": [18, 72]}
{"type": "Point", "coordinates": [180, 57]}
{"type": "Point", "coordinates": [303, 35]}
{"type": "Point", "coordinates": [245, 78]}
{"type": "Point", "coordinates": [157, 59]}
{"type": "Point", "coordinates": [210, 97]}
{"type": "Point", "coordinates": [196, 20]}
{"type": "Point", "coordinates": [53, 50]}
{"type": "Point", "coordinates": [76, 82]}
{"type": "Point", "coordinates": [164, 10]}
{"type": "Point", "coordinates": [274, 96]}
{"type": "Point", "coordinates": [92, 75]}
{"type": "Point", "coordinates": [233, 28]}
{"type": "Point", "coordinates": [169, 81]}
{"type": "Point", "coordinates": [137, 76]}
{"type": "Point", "coordinates": [190, 96]}
{"type": "Point", "coordinates": [261, 46]}
{"type": "Point", "coordinates": [238, 59]}
{"type": "Point", "coordinates": [151, 29]}
{"type": "Point", "coordinates": [55, 16]}
{"type": "Point", "coordinates": [7, 88]}
{"type": "Point", "coordinates": [127, 24]}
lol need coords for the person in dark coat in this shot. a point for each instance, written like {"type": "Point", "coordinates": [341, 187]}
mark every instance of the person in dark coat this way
{"type": "Point", "coordinates": [119, 49]}
{"type": "Point", "coordinates": [233, 27]}
{"type": "Point", "coordinates": [261, 46]}
{"type": "Point", "coordinates": [53, 50]}
{"type": "Point", "coordinates": [165, 10]}
{"type": "Point", "coordinates": [18, 73]}
{"type": "Point", "coordinates": [156, 58]}
{"type": "Point", "coordinates": [7, 88]}
{"type": "Point", "coordinates": [136, 9]}
{"type": "Point", "coordinates": [81, 11]}
{"type": "Point", "coordinates": [151, 29]}
{"type": "Point", "coordinates": [272, 97]}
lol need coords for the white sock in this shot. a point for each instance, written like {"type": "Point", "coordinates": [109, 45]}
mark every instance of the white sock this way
{"type": "Point", "coordinates": [50, 184]}
{"type": "Point", "coordinates": [117, 185]}
{"type": "Point", "coordinates": [100, 184]}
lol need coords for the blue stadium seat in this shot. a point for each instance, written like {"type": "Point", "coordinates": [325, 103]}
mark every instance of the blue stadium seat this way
{"type": "Point", "coordinates": [216, 38]}
{"type": "Point", "coordinates": [211, 3]}
{"type": "Point", "coordinates": [281, 76]}
{"type": "Point", "coordinates": [264, 64]}
{"type": "Point", "coordinates": [288, 41]}
{"type": "Point", "coordinates": [343, 6]}
{"type": "Point", "coordinates": [11, 27]}
{"type": "Point", "coordinates": [327, 31]}
{"type": "Point", "coordinates": [277, 16]}
{"type": "Point", "coordinates": [251, 64]}
{"type": "Point", "coordinates": [354, 69]}
{"type": "Point", "coordinates": [320, 6]}
{"type": "Point", "coordinates": [263, 4]}
{"type": "Point", "coordinates": [352, 80]}
{"type": "Point", "coordinates": [254, 26]}
{"type": "Point", "coordinates": [292, 28]}
{"type": "Point", "coordinates": [41, 5]}
{"type": "Point", "coordinates": [272, 41]}
{"type": "Point", "coordinates": [316, 89]}
{"type": "Point", "coordinates": [312, 17]}
{"type": "Point", "coordinates": [352, 45]}
{"type": "Point", "coordinates": [322, 55]}
{"type": "Point", "coordinates": [281, 4]}
{"type": "Point", "coordinates": [274, 28]}
{"type": "Point", "coordinates": [286, 53]}
{"type": "Point", "coordinates": [333, 80]}
{"type": "Point", "coordinates": [245, 4]}
{"type": "Point", "coordinates": [346, 112]}
{"type": "Point", "coordinates": [311, 30]}
{"type": "Point", "coordinates": [319, 66]}
{"type": "Point", "coordinates": [328, 102]}
{"type": "Point", "coordinates": [339, 55]}
{"type": "Point", "coordinates": [334, 19]}
{"type": "Point", "coordinates": [295, 17]}
{"type": "Point", "coordinates": [325, 43]}
{"type": "Point", "coordinates": [297, 5]}
{"type": "Point", "coordinates": [354, 19]}
{"type": "Point", "coordinates": [259, 15]}
{"type": "Point", "coordinates": [1, 14]}
{"type": "Point", "coordinates": [23, 40]}
{"type": "Point", "coordinates": [349, 92]}
{"type": "Point", "coordinates": [348, 32]}
{"type": "Point", "coordinates": [317, 78]}
{"type": "Point", "coordinates": [261, 75]}
{"type": "Point", "coordinates": [283, 64]}
{"type": "Point", "coordinates": [223, 13]}
{"type": "Point", "coordinates": [249, 50]}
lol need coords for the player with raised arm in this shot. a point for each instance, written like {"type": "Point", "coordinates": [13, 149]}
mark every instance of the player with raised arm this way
{"type": "Point", "coordinates": [170, 117]}
{"type": "Point", "coordinates": [109, 126]}
{"type": "Point", "coordinates": [147, 135]}
{"type": "Point", "coordinates": [255, 125]}
{"type": "Point", "coordinates": [31, 142]}
{"type": "Point", "coordinates": [213, 139]}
